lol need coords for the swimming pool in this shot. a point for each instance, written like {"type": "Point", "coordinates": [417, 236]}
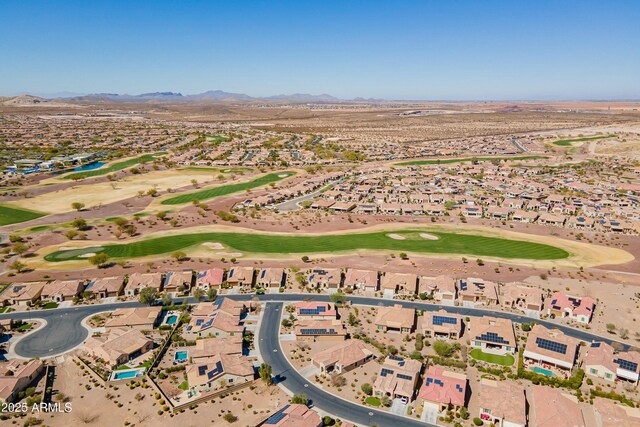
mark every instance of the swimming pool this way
{"type": "Point", "coordinates": [181, 356]}
{"type": "Point", "coordinates": [543, 371]}
{"type": "Point", "coordinates": [171, 319]}
{"type": "Point", "coordinates": [126, 375]}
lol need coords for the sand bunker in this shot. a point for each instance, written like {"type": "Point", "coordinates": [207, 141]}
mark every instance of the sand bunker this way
{"type": "Point", "coordinates": [231, 254]}
{"type": "Point", "coordinates": [283, 175]}
{"type": "Point", "coordinates": [87, 255]}
{"type": "Point", "coordinates": [396, 236]}
{"type": "Point", "coordinates": [213, 245]}
{"type": "Point", "coordinates": [428, 236]}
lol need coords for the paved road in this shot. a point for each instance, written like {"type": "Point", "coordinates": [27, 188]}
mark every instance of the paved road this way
{"type": "Point", "coordinates": [292, 205]}
{"type": "Point", "coordinates": [64, 330]}
{"type": "Point", "coordinates": [284, 373]}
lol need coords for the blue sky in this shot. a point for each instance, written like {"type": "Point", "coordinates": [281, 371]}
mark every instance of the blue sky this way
{"type": "Point", "coordinates": [444, 49]}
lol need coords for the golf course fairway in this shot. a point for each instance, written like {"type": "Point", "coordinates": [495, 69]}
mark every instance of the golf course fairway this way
{"type": "Point", "coordinates": [223, 190]}
{"type": "Point", "coordinates": [404, 241]}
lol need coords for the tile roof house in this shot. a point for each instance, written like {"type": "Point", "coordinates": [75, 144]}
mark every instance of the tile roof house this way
{"type": "Point", "coordinates": [444, 389]}
{"type": "Point", "coordinates": [208, 347]}
{"type": "Point", "coordinates": [325, 278]}
{"type": "Point", "coordinates": [443, 288]}
{"type": "Point", "coordinates": [492, 335]}
{"type": "Point", "coordinates": [502, 403]}
{"type": "Point", "coordinates": [579, 309]}
{"type": "Point", "coordinates": [527, 299]}
{"type": "Point", "coordinates": [550, 347]}
{"type": "Point", "coordinates": [16, 375]}
{"type": "Point", "coordinates": [62, 290]}
{"type": "Point", "coordinates": [22, 293]}
{"type": "Point", "coordinates": [212, 278]}
{"type": "Point", "coordinates": [440, 324]}
{"type": "Point", "coordinates": [552, 407]}
{"type": "Point", "coordinates": [141, 318]}
{"type": "Point", "coordinates": [320, 330]}
{"type": "Point", "coordinates": [176, 281]}
{"type": "Point", "coordinates": [342, 357]}
{"type": "Point", "coordinates": [473, 292]}
{"type": "Point", "coordinates": [315, 310]}
{"type": "Point", "coordinates": [395, 319]}
{"type": "Point", "coordinates": [218, 371]}
{"type": "Point", "coordinates": [294, 415]}
{"type": "Point", "coordinates": [138, 281]}
{"type": "Point", "coordinates": [398, 377]}
{"type": "Point", "coordinates": [271, 277]}
{"type": "Point", "coordinates": [602, 361]}
{"type": "Point", "coordinates": [220, 318]}
{"type": "Point", "coordinates": [106, 287]}
{"type": "Point", "coordinates": [609, 413]}
{"type": "Point", "coordinates": [399, 283]}
{"type": "Point", "coordinates": [361, 279]}
{"type": "Point", "coordinates": [118, 346]}
{"type": "Point", "coordinates": [240, 276]}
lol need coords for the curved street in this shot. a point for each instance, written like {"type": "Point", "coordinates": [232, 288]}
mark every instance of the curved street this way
{"type": "Point", "coordinates": [64, 331]}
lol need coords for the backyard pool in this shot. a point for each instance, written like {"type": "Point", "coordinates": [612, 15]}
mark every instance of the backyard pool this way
{"type": "Point", "coordinates": [126, 375]}
{"type": "Point", "coordinates": [542, 371]}
{"type": "Point", "coordinates": [171, 319]}
{"type": "Point", "coordinates": [181, 356]}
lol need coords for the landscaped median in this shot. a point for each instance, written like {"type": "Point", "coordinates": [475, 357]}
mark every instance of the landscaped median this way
{"type": "Point", "coordinates": [224, 190]}
{"type": "Point", "coordinates": [409, 241]}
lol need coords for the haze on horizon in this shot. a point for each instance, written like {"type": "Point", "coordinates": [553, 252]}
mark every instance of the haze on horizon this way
{"type": "Point", "coordinates": [458, 50]}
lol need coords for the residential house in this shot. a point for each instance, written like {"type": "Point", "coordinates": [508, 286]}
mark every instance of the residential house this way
{"type": "Point", "coordinates": [361, 279]}
{"type": "Point", "coordinates": [320, 330]}
{"type": "Point", "coordinates": [443, 389]}
{"type": "Point", "coordinates": [342, 357]}
{"type": "Point", "coordinates": [440, 324]}
{"type": "Point", "coordinates": [118, 346]}
{"type": "Point", "coordinates": [22, 293]}
{"type": "Point", "coordinates": [209, 347]}
{"type": "Point", "coordinates": [549, 347]}
{"type": "Point", "coordinates": [609, 413]}
{"type": "Point", "coordinates": [492, 335]}
{"type": "Point", "coordinates": [294, 415]}
{"type": "Point", "coordinates": [178, 281]}
{"type": "Point", "coordinates": [399, 283]}
{"type": "Point", "coordinates": [527, 299]}
{"type": "Point", "coordinates": [271, 277]}
{"type": "Point", "coordinates": [106, 287]}
{"type": "Point", "coordinates": [579, 309]}
{"type": "Point", "coordinates": [398, 378]}
{"type": "Point", "coordinates": [553, 407]}
{"type": "Point", "coordinates": [210, 279]}
{"type": "Point", "coordinates": [442, 288]}
{"type": "Point", "coordinates": [62, 290]}
{"type": "Point", "coordinates": [240, 276]}
{"type": "Point", "coordinates": [315, 310]}
{"type": "Point", "coordinates": [601, 361]}
{"type": "Point", "coordinates": [502, 403]}
{"type": "Point", "coordinates": [218, 371]}
{"type": "Point", "coordinates": [16, 375]}
{"type": "Point", "coordinates": [395, 319]}
{"type": "Point", "coordinates": [141, 318]}
{"type": "Point", "coordinates": [220, 318]}
{"type": "Point", "coordinates": [138, 281]}
{"type": "Point", "coordinates": [473, 292]}
{"type": "Point", "coordinates": [330, 278]}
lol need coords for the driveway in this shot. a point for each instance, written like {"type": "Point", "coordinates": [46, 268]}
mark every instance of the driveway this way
{"type": "Point", "coordinates": [399, 408]}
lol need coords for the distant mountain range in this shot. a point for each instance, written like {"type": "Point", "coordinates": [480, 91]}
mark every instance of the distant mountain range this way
{"type": "Point", "coordinates": [211, 95]}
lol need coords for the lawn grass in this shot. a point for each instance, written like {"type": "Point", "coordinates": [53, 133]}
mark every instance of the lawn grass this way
{"type": "Point", "coordinates": [467, 159]}
{"type": "Point", "coordinates": [24, 327]}
{"type": "Point", "coordinates": [40, 228]}
{"type": "Point", "coordinates": [372, 401]}
{"type": "Point", "coordinates": [569, 142]}
{"type": "Point", "coordinates": [184, 385]}
{"type": "Point", "coordinates": [50, 305]}
{"type": "Point", "coordinates": [506, 360]}
{"type": "Point", "coordinates": [114, 167]}
{"type": "Point", "coordinates": [11, 215]}
{"type": "Point", "coordinates": [223, 190]}
{"type": "Point", "coordinates": [215, 139]}
{"type": "Point", "coordinates": [447, 243]}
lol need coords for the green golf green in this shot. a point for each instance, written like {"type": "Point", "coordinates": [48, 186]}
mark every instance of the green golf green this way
{"type": "Point", "coordinates": [223, 190]}
{"type": "Point", "coordinates": [466, 159]}
{"type": "Point", "coordinates": [569, 142]}
{"type": "Point", "coordinates": [447, 243]}
{"type": "Point", "coordinates": [15, 215]}
{"type": "Point", "coordinates": [114, 167]}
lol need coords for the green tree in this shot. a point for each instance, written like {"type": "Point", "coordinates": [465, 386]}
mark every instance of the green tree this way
{"type": "Point", "coordinates": [166, 299]}
{"type": "Point", "coordinates": [99, 260]}
{"type": "Point", "coordinates": [179, 255]}
{"type": "Point", "coordinates": [77, 206]}
{"type": "Point", "coordinates": [265, 373]}
{"type": "Point", "coordinates": [212, 294]}
{"type": "Point", "coordinates": [148, 296]}
{"type": "Point", "coordinates": [79, 223]}
{"type": "Point", "coordinates": [367, 389]}
{"type": "Point", "coordinates": [198, 294]}
{"type": "Point", "coordinates": [18, 266]}
{"type": "Point", "coordinates": [300, 399]}
{"type": "Point", "coordinates": [338, 297]}
{"type": "Point", "coordinates": [19, 248]}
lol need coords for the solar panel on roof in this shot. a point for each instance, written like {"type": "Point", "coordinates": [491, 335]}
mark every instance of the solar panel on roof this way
{"type": "Point", "coordinates": [492, 337]}
{"type": "Point", "coordinates": [439, 320]}
{"type": "Point", "coordinates": [595, 344]}
{"type": "Point", "coordinates": [551, 345]}
{"type": "Point", "coordinates": [393, 357]}
{"type": "Point", "coordinates": [277, 417]}
{"type": "Point", "coordinates": [384, 372]}
{"type": "Point", "coordinates": [626, 364]}
{"type": "Point", "coordinates": [202, 370]}
{"type": "Point", "coordinates": [405, 377]}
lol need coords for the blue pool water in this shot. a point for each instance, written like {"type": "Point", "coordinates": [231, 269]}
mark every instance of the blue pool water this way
{"type": "Point", "coordinates": [172, 319]}
{"type": "Point", "coordinates": [125, 375]}
{"type": "Point", "coordinates": [542, 371]}
{"type": "Point", "coordinates": [181, 356]}
{"type": "Point", "coordinates": [89, 167]}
